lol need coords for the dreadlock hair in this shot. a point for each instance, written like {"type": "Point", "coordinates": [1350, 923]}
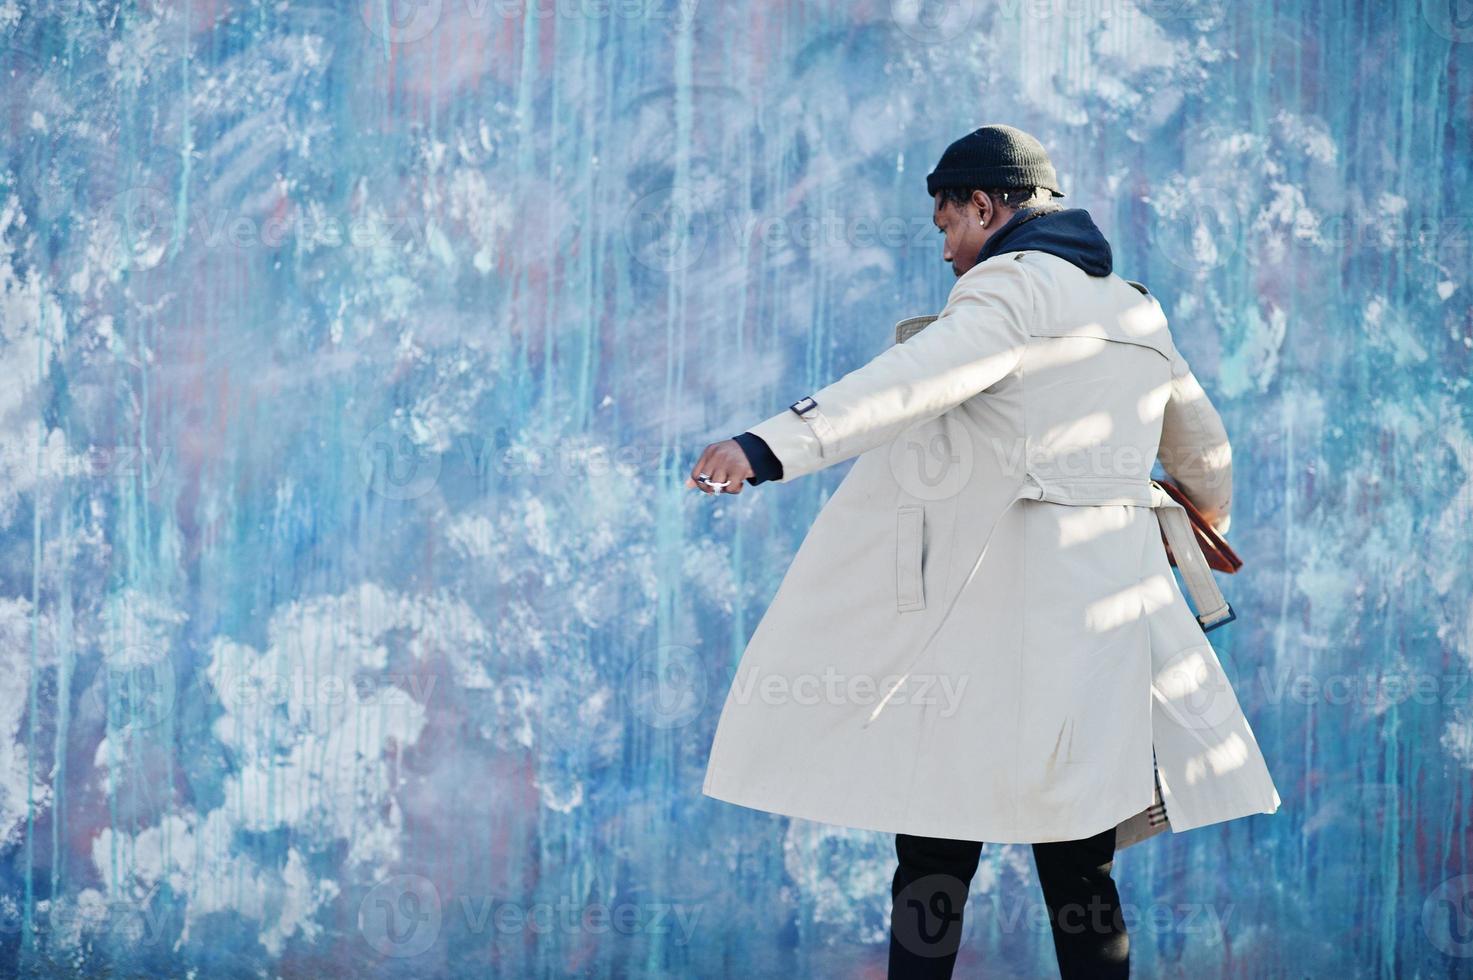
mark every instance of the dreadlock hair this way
{"type": "Point", "coordinates": [1003, 197]}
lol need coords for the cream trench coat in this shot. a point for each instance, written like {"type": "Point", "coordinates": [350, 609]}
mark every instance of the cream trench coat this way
{"type": "Point", "coordinates": [980, 637]}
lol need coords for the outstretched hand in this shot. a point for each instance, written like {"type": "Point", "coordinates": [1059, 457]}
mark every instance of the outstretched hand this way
{"type": "Point", "coordinates": [720, 462]}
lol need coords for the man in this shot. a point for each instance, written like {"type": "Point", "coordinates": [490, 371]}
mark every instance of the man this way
{"type": "Point", "coordinates": [1004, 651]}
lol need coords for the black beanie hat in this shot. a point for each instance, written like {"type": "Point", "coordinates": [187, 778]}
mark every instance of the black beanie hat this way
{"type": "Point", "coordinates": [994, 156]}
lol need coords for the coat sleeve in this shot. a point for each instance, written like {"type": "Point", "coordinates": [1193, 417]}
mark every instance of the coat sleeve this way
{"type": "Point", "coordinates": [1195, 451]}
{"type": "Point", "coordinates": [765, 466]}
{"type": "Point", "coordinates": [976, 341]}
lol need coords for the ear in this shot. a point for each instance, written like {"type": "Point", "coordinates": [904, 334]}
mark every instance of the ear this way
{"type": "Point", "coordinates": [983, 203]}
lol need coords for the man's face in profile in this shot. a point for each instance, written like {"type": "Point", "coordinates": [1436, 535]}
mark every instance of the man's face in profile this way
{"type": "Point", "coordinates": [963, 229]}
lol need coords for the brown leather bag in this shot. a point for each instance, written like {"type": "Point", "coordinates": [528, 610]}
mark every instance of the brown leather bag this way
{"type": "Point", "coordinates": [1220, 557]}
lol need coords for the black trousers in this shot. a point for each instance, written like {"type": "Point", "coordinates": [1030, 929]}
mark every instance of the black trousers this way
{"type": "Point", "coordinates": [930, 889]}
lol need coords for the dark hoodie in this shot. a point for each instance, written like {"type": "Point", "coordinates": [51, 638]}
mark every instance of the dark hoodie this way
{"type": "Point", "coordinates": [1069, 233]}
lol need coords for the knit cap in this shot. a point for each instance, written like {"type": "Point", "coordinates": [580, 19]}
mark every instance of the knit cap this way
{"type": "Point", "coordinates": [994, 156]}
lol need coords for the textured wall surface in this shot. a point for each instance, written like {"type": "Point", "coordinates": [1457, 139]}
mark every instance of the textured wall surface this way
{"type": "Point", "coordinates": [354, 618]}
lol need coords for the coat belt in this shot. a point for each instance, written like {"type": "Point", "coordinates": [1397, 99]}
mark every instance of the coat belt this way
{"type": "Point", "coordinates": [1213, 609]}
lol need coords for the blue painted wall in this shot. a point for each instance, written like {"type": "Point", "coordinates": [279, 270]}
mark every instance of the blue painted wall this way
{"type": "Point", "coordinates": [354, 619]}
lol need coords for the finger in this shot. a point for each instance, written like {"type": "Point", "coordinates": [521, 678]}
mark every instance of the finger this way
{"type": "Point", "coordinates": [731, 475]}
{"type": "Point", "coordinates": [713, 470]}
{"type": "Point", "coordinates": [739, 468]}
{"type": "Point", "coordinates": [718, 474]}
{"type": "Point", "coordinates": [702, 466]}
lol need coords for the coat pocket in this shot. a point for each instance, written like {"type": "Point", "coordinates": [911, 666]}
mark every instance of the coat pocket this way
{"type": "Point", "coordinates": [910, 530]}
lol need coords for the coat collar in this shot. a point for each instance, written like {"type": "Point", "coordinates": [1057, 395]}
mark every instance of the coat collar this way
{"type": "Point", "coordinates": [1069, 233]}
